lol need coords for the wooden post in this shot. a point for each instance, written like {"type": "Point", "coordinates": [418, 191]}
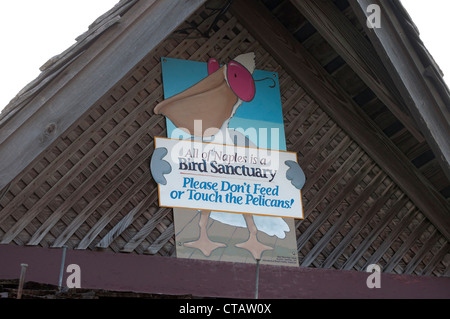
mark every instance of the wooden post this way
{"type": "Point", "coordinates": [61, 271]}
{"type": "Point", "coordinates": [257, 279]}
{"type": "Point", "coordinates": [21, 280]}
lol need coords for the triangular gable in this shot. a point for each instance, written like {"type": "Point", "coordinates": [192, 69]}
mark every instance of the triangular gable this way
{"type": "Point", "coordinates": [77, 152]}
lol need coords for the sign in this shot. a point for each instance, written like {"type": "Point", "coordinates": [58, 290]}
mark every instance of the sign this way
{"type": "Point", "coordinates": [228, 178]}
{"type": "Point", "coordinates": [224, 167]}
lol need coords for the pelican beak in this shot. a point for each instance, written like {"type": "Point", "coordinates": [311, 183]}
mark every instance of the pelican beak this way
{"type": "Point", "coordinates": [211, 100]}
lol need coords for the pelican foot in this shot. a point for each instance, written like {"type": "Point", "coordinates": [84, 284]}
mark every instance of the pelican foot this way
{"type": "Point", "coordinates": [254, 247]}
{"type": "Point", "coordinates": [205, 245]}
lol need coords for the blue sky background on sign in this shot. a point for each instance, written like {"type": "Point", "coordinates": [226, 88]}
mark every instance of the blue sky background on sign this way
{"type": "Point", "coordinates": [262, 113]}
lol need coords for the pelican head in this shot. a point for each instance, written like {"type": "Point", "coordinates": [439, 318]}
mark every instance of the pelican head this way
{"type": "Point", "coordinates": [213, 100]}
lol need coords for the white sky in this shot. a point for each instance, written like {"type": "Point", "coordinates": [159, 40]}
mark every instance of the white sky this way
{"type": "Point", "coordinates": [432, 19]}
{"type": "Point", "coordinates": [33, 31]}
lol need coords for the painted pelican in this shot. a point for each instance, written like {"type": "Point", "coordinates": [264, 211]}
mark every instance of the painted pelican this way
{"type": "Point", "coordinates": [214, 100]}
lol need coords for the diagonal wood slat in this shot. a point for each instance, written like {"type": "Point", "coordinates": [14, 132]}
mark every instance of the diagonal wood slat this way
{"type": "Point", "coordinates": [349, 211]}
{"type": "Point", "coordinates": [333, 256]}
{"type": "Point", "coordinates": [399, 254]}
{"type": "Point", "coordinates": [385, 245]}
{"type": "Point", "coordinates": [161, 240]}
{"type": "Point", "coordinates": [412, 264]}
{"type": "Point", "coordinates": [437, 258]}
{"type": "Point", "coordinates": [146, 230]}
{"type": "Point", "coordinates": [317, 223]}
{"type": "Point", "coordinates": [365, 244]}
{"type": "Point", "coordinates": [126, 221]}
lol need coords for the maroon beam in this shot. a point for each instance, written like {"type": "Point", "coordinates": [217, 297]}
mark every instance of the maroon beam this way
{"type": "Point", "coordinates": [176, 276]}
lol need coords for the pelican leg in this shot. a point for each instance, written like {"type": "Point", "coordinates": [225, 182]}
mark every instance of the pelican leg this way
{"type": "Point", "coordinates": [252, 244]}
{"type": "Point", "coordinates": [203, 243]}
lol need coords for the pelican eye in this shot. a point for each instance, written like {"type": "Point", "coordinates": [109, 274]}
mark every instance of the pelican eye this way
{"type": "Point", "coordinates": [241, 81]}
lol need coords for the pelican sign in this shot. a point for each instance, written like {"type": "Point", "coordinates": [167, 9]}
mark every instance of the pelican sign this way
{"type": "Point", "coordinates": [224, 166]}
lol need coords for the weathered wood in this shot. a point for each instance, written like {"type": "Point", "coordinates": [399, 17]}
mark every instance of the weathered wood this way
{"type": "Point", "coordinates": [161, 240]}
{"type": "Point", "coordinates": [317, 223]}
{"type": "Point", "coordinates": [312, 130]}
{"type": "Point", "coordinates": [88, 79]}
{"type": "Point", "coordinates": [126, 221]}
{"type": "Point", "coordinates": [440, 255]}
{"type": "Point", "coordinates": [81, 140]}
{"type": "Point", "coordinates": [320, 145]}
{"type": "Point", "coordinates": [300, 118]}
{"type": "Point", "coordinates": [349, 211]}
{"type": "Point", "coordinates": [63, 182]}
{"type": "Point", "coordinates": [354, 231]}
{"type": "Point", "coordinates": [387, 242]}
{"type": "Point", "coordinates": [93, 205]}
{"type": "Point", "coordinates": [90, 208]}
{"type": "Point", "coordinates": [297, 61]}
{"type": "Point", "coordinates": [325, 164]}
{"type": "Point", "coordinates": [146, 230]}
{"type": "Point", "coordinates": [406, 245]}
{"type": "Point", "coordinates": [180, 276]}
{"type": "Point", "coordinates": [111, 113]}
{"type": "Point", "coordinates": [331, 182]}
{"type": "Point", "coordinates": [356, 50]}
{"type": "Point", "coordinates": [420, 254]}
{"type": "Point", "coordinates": [402, 61]}
{"type": "Point", "coordinates": [370, 238]}
{"type": "Point", "coordinates": [112, 212]}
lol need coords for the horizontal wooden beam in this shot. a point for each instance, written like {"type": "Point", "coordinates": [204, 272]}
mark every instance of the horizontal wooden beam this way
{"type": "Point", "coordinates": [359, 54]}
{"type": "Point", "coordinates": [86, 80]}
{"type": "Point", "coordinates": [297, 61]}
{"type": "Point", "coordinates": [426, 102]}
{"type": "Point", "coordinates": [202, 278]}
